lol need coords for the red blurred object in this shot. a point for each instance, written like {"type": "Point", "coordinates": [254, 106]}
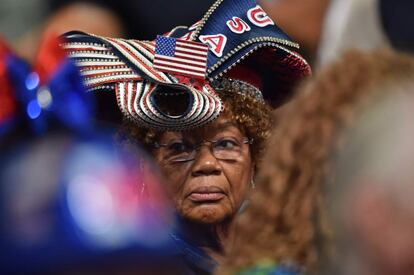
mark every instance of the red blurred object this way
{"type": "Point", "coordinates": [7, 101]}
{"type": "Point", "coordinates": [49, 57]}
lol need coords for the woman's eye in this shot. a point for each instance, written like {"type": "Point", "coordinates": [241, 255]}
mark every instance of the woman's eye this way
{"type": "Point", "coordinates": [226, 144]}
{"type": "Point", "coordinates": [178, 147]}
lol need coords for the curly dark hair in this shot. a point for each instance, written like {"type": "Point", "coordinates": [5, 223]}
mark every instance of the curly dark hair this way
{"type": "Point", "coordinates": [285, 221]}
{"type": "Point", "coordinates": [253, 117]}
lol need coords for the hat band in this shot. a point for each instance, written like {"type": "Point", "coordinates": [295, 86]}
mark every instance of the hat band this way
{"type": "Point", "coordinates": [241, 87]}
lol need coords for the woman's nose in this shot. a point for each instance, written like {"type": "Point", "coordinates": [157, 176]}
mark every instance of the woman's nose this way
{"type": "Point", "coordinates": [205, 163]}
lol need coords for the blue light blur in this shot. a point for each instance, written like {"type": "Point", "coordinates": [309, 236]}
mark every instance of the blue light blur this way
{"type": "Point", "coordinates": [33, 109]}
{"type": "Point", "coordinates": [32, 81]}
{"type": "Point", "coordinates": [71, 104]}
{"type": "Point", "coordinates": [86, 208]}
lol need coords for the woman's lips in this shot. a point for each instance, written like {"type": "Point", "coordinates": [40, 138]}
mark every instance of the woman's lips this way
{"type": "Point", "coordinates": [206, 194]}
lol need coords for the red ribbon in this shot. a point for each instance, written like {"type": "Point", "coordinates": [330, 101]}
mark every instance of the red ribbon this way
{"type": "Point", "coordinates": [8, 104]}
{"type": "Point", "coordinates": [49, 57]}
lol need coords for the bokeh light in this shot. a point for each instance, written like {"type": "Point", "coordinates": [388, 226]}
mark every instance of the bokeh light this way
{"type": "Point", "coordinates": [33, 109]}
{"type": "Point", "coordinates": [44, 97]}
{"type": "Point", "coordinates": [32, 81]}
{"type": "Point", "coordinates": [105, 203]}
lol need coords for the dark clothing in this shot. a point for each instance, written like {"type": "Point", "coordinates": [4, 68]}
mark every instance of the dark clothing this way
{"type": "Point", "coordinates": [193, 261]}
{"type": "Point", "coordinates": [397, 20]}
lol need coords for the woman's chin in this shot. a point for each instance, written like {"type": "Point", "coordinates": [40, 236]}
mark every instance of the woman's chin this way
{"type": "Point", "coordinates": [207, 214]}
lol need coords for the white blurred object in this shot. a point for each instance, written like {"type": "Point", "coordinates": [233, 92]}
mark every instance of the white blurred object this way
{"type": "Point", "coordinates": [350, 24]}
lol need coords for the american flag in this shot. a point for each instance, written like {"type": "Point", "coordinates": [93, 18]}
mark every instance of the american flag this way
{"type": "Point", "coordinates": [181, 57]}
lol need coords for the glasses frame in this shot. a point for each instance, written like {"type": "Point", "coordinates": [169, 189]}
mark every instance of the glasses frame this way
{"type": "Point", "coordinates": [193, 154]}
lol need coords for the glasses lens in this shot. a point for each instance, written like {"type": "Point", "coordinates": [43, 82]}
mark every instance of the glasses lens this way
{"type": "Point", "coordinates": [178, 151]}
{"type": "Point", "coordinates": [228, 148]}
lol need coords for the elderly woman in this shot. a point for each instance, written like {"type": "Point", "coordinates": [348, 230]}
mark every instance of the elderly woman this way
{"type": "Point", "coordinates": [300, 166]}
{"type": "Point", "coordinates": [199, 99]}
{"type": "Point", "coordinates": [209, 170]}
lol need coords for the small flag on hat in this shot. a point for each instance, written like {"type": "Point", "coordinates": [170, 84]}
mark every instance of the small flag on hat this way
{"type": "Point", "coordinates": [181, 57]}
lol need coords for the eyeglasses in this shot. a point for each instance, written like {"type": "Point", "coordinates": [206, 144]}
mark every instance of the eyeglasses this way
{"type": "Point", "coordinates": [226, 148]}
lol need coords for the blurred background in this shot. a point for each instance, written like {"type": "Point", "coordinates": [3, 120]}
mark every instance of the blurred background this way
{"type": "Point", "coordinates": [323, 27]}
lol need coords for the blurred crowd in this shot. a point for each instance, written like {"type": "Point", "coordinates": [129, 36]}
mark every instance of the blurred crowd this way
{"type": "Point", "coordinates": [324, 29]}
{"type": "Point", "coordinates": [331, 194]}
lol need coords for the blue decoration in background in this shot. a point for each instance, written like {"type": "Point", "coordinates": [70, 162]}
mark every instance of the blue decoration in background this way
{"type": "Point", "coordinates": [73, 201]}
{"type": "Point", "coordinates": [62, 99]}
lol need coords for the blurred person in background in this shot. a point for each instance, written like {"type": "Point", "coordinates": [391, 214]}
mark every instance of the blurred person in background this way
{"type": "Point", "coordinates": [139, 19]}
{"type": "Point", "coordinates": [285, 223]}
{"type": "Point", "coordinates": [351, 24]}
{"type": "Point", "coordinates": [128, 19]}
{"type": "Point", "coordinates": [205, 124]}
{"type": "Point", "coordinates": [329, 27]}
{"type": "Point", "coordinates": [368, 197]}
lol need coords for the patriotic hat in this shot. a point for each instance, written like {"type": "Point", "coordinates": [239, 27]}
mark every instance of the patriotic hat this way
{"type": "Point", "coordinates": [171, 83]}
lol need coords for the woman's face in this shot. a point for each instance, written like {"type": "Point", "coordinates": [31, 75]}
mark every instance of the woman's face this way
{"type": "Point", "coordinates": [209, 182]}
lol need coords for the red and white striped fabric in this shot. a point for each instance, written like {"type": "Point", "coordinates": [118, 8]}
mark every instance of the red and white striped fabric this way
{"type": "Point", "coordinates": [181, 57]}
{"type": "Point", "coordinates": [126, 67]}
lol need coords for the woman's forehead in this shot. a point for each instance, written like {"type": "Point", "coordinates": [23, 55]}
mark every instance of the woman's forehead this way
{"type": "Point", "coordinates": [222, 124]}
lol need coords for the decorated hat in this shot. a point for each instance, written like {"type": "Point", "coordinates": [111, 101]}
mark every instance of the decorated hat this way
{"type": "Point", "coordinates": [171, 83]}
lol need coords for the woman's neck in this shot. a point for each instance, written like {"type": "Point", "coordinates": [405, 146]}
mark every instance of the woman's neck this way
{"type": "Point", "coordinates": [210, 238]}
